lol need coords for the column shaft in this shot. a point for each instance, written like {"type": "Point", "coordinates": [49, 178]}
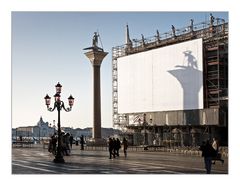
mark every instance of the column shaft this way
{"type": "Point", "coordinates": [96, 102]}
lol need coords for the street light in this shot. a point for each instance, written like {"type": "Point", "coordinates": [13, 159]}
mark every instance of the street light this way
{"type": "Point", "coordinates": [59, 105]}
{"type": "Point", "coordinates": [58, 88]}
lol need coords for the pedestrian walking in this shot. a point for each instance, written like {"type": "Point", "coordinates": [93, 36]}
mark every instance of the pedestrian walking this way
{"type": "Point", "coordinates": [67, 141]}
{"type": "Point", "coordinates": [125, 146]}
{"type": "Point", "coordinates": [114, 147]}
{"type": "Point", "coordinates": [82, 142]}
{"type": "Point", "coordinates": [110, 147]}
{"type": "Point", "coordinates": [52, 144]}
{"type": "Point", "coordinates": [61, 143]}
{"type": "Point", "coordinates": [71, 140]}
{"type": "Point", "coordinates": [218, 155]}
{"type": "Point", "coordinates": [207, 153]}
{"type": "Point", "coordinates": [65, 144]}
{"type": "Point", "coordinates": [118, 146]}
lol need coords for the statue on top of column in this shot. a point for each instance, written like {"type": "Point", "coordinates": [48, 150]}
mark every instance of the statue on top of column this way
{"type": "Point", "coordinates": [94, 43]}
{"type": "Point", "coordinates": [95, 40]}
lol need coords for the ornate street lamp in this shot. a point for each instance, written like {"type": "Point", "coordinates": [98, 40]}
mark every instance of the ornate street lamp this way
{"type": "Point", "coordinates": [70, 101]}
{"type": "Point", "coordinates": [47, 100]}
{"type": "Point", "coordinates": [58, 88]}
{"type": "Point", "coordinates": [59, 105]}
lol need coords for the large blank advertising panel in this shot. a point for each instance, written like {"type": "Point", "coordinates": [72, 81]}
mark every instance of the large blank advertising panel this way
{"type": "Point", "coordinates": [163, 79]}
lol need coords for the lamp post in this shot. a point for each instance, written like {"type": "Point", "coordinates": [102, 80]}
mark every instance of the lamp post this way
{"type": "Point", "coordinates": [59, 105]}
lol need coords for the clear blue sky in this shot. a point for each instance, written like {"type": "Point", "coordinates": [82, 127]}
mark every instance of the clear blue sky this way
{"type": "Point", "coordinates": [47, 47]}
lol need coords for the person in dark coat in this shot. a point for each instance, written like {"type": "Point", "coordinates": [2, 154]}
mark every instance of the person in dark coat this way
{"type": "Point", "coordinates": [118, 146]}
{"type": "Point", "coordinates": [54, 143]}
{"type": "Point", "coordinates": [208, 153]}
{"type": "Point", "coordinates": [71, 140]}
{"type": "Point", "coordinates": [114, 147]}
{"type": "Point", "coordinates": [82, 142]}
{"type": "Point", "coordinates": [110, 147]}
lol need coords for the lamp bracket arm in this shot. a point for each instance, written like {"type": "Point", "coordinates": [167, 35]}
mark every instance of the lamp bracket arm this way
{"type": "Point", "coordinates": [66, 109]}
{"type": "Point", "coordinates": [52, 109]}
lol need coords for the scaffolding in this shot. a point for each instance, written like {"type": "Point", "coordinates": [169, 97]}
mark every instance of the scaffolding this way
{"type": "Point", "coordinates": [215, 55]}
{"type": "Point", "coordinates": [214, 34]}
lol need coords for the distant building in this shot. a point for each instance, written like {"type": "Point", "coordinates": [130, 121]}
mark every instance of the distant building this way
{"type": "Point", "coordinates": [24, 131]}
{"type": "Point", "coordinates": [67, 130]}
{"type": "Point", "coordinates": [44, 130]}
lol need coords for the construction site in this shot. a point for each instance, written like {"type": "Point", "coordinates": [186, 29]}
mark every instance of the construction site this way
{"type": "Point", "coordinates": [181, 103]}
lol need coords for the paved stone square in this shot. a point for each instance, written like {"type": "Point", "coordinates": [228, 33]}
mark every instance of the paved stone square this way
{"type": "Point", "coordinates": [37, 160]}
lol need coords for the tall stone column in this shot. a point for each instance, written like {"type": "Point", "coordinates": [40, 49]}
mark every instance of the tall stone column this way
{"type": "Point", "coordinates": [96, 55]}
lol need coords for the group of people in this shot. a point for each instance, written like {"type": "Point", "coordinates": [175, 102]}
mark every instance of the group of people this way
{"type": "Point", "coordinates": [66, 143]}
{"type": "Point", "coordinates": [114, 145]}
{"type": "Point", "coordinates": [210, 153]}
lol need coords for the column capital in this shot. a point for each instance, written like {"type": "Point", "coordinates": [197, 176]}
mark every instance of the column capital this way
{"type": "Point", "coordinates": [96, 57]}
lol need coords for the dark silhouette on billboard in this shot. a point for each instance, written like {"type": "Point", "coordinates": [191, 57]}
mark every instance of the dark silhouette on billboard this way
{"type": "Point", "coordinates": [189, 75]}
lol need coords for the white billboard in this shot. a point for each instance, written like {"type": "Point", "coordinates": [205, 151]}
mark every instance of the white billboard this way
{"type": "Point", "coordinates": [163, 79]}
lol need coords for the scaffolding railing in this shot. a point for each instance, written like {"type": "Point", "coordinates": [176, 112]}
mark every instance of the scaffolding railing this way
{"type": "Point", "coordinates": [200, 30]}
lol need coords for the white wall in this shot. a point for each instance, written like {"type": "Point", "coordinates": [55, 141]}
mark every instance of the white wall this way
{"type": "Point", "coordinates": [163, 79]}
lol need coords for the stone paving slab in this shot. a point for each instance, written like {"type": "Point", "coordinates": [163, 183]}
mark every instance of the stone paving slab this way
{"type": "Point", "coordinates": [40, 161]}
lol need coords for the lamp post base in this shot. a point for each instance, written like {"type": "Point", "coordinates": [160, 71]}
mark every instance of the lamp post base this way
{"type": "Point", "coordinates": [59, 159]}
